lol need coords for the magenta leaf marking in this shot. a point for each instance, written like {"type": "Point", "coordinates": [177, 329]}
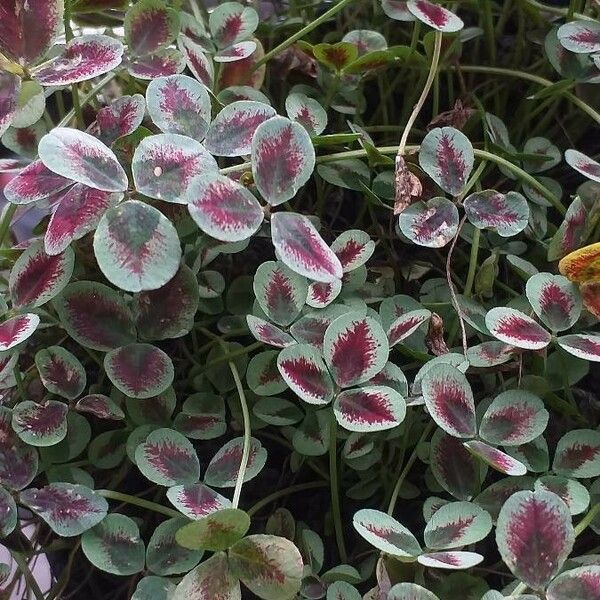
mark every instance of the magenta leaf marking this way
{"type": "Point", "coordinates": [231, 22]}
{"type": "Point", "coordinates": [167, 61]}
{"type": "Point", "coordinates": [507, 214]}
{"type": "Point", "coordinates": [514, 327]}
{"type": "Point", "coordinates": [197, 500]}
{"type": "Point", "coordinates": [407, 324]}
{"type": "Point", "coordinates": [581, 37]}
{"type": "Point", "coordinates": [40, 424]}
{"type": "Point", "coordinates": [398, 10]}
{"type": "Point", "coordinates": [18, 461]}
{"type": "Point", "coordinates": [150, 26]}
{"type": "Point", "coordinates": [16, 330]}
{"type": "Point", "coordinates": [435, 16]}
{"type": "Point", "coordinates": [582, 346]}
{"type": "Point", "coordinates": [268, 333]}
{"type": "Point", "coordinates": [534, 536]}
{"type": "Point", "coordinates": [60, 372]}
{"type": "Point", "coordinates": [122, 117]}
{"type": "Point", "coordinates": [321, 294]}
{"type": "Point", "coordinates": [583, 164]}
{"type": "Point", "coordinates": [34, 182]}
{"type": "Point", "coordinates": [10, 86]}
{"type": "Point", "coordinates": [100, 406]}
{"type": "Point", "coordinates": [223, 469]}
{"type": "Point", "coordinates": [196, 60]}
{"type": "Point", "coordinates": [432, 224]}
{"type": "Point", "coordinates": [496, 458]}
{"type": "Point", "coordinates": [578, 454]}
{"type": "Point", "coordinates": [238, 51]}
{"type": "Point", "coordinates": [450, 560]}
{"type": "Point", "coordinates": [555, 300]}
{"type": "Point", "coordinates": [306, 111]}
{"type": "Point", "coordinates": [582, 583]}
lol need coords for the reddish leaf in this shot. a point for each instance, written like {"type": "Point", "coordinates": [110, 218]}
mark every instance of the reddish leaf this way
{"type": "Point", "coordinates": [578, 454]}
{"type": "Point", "coordinates": [34, 182]}
{"type": "Point", "coordinates": [95, 316]}
{"type": "Point", "coordinates": [583, 164]}
{"type": "Point", "coordinates": [406, 324]}
{"type": "Point", "coordinates": [570, 233]}
{"type": "Point", "coordinates": [18, 461]}
{"type": "Point", "coordinates": [582, 583]}
{"type": "Point", "coordinates": [83, 58]}
{"type": "Point", "coordinates": [385, 533]}
{"type": "Point", "coordinates": [244, 72]}
{"type": "Point", "coordinates": [238, 51]}
{"type": "Point", "coordinates": [16, 330]}
{"type": "Point", "coordinates": [353, 249]}
{"type": "Point", "coordinates": [534, 520]}
{"type": "Point", "coordinates": [300, 246]}
{"type": "Point", "coordinates": [210, 580]}
{"type": "Point", "coordinates": [268, 333]}
{"type": "Point", "coordinates": [496, 458]}
{"type": "Point", "coordinates": [264, 379]}
{"type": "Point", "coordinates": [581, 37]}
{"type": "Point", "coordinates": [507, 214]}
{"type": "Point", "coordinates": [432, 224]}
{"type": "Point", "coordinates": [555, 300]}
{"type": "Point", "coordinates": [398, 10]}
{"type": "Point", "coordinates": [582, 264]}
{"type": "Point", "coordinates": [196, 60]}
{"type": "Point", "coordinates": [40, 424]}
{"type": "Point", "coordinates": [167, 61]}
{"type": "Point", "coordinates": [310, 329]}
{"type": "Point", "coordinates": [100, 406]}
{"type": "Point", "coordinates": [28, 28]}
{"type": "Point", "coordinates": [450, 560]}
{"type": "Point", "coordinates": [139, 370]}
{"type": "Point", "coordinates": [224, 467]}
{"type": "Point", "coordinates": [321, 294]}
{"type": "Point", "coordinates": [78, 212]}
{"type": "Point", "coordinates": [197, 500]}
{"type": "Point", "coordinates": [223, 208]}
{"type": "Point", "coordinates": [335, 56]}
{"type": "Point", "coordinates": [149, 26]}
{"type": "Point", "coordinates": [37, 277]}
{"type": "Point", "coordinates": [435, 16]}
{"type": "Point", "coordinates": [231, 22]}
{"type": "Point", "coordinates": [306, 111]}
{"type": "Point", "coordinates": [122, 117]}
{"type": "Point", "coordinates": [582, 346]}
{"type": "Point", "coordinates": [60, 372]}
{"type": "Point", "coordinates": [516, 328]}
{"type": "Point", "coordinates": [10, 86]}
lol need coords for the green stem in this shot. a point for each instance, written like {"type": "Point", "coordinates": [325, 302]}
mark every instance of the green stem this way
{"type": "Point", "coordinates": [300, 34]}
{"type": "Point", "coordinates": [27, 574]}
{"type": "Point", "coordinates": [86, 99]}
{"type": "Point", "coordinates": [9, 213]}
{"type": "Point", "coordinates": [472, 263]}
{"type": "Point", "coordinates": [558, 11]}
{"type": "Point", "coordinates": [128, 499]}
{"type": "Point", "coordinates": [488, 20]}
{"type": "Point", "coordinates": [335, 491]}
{"type": "Point", "coordinates": [247, 431]}
{"type": "Point", "coordinates": [293, 489]}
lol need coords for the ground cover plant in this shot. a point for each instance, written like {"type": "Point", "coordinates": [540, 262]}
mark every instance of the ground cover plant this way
{"type": "Point", "coordinates": [300, 299]}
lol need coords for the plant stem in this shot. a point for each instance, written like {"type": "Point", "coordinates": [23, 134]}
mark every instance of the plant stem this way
{"type": "Point", "coordinates": [472, 263]}
{"type": "Point", "coordinates": [335, 492]}
{"type": "Point", "coordinates": [85, 100]}
{"type": "Point", "coordinates": [488, 19]}
{"type": "Point", "coordinates": [9, 213]}
{"type": "Point", "coordinates": [128, 499]}
{"type": "Point", "coordinates": [27, 574]}
{"type": "Point", "coordinates": [247, 431]}
{"type": "Point", "coordinates": [558, 11]}
{"type": "Point", "coordinates": [435, 60]}
{"type": "Point", "coordinates": [300, 34]}
{"type": "Point", "coordinates": [292, 489]}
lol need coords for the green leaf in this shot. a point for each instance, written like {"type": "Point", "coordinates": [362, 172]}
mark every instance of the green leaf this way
{"type": "Point", "coordinates": [218, 531]}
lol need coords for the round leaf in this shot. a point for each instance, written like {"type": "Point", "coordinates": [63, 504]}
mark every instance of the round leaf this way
{"type": "Point", "coordinates": [196, 501]}
{"type": "Point", "coordinates": [582, 583]}
{"type": "Point", "coordinates": [578, 454]}
{"type": "Point", "coordinates": [217, 531]}
{"type": "Point", "coordinates": [164, 556]}
{"type": "Point", "coordinates": [555, 300]}
{"type": "Point", "coordinates": [16, 330]}
{"type": "Point", "coordinates": [60, 372]}
{"type": "Point", "coordinates": [149, 26]}
{"type": "Point", "coordinates": [516, 328]}
{"type": "Point", "coordinates": [369, 408]}
{"type": "Point", "coordinates": [457, 524]}
{"type": "Point", "coordinates": [385, 533]}
{"type": "Point", "coordinates": [435, 16]}
{"type": "Point", "coordinates": [582, 346]}
{"type": "Point", "coordinates": [224, 467]}
{"type": "Point", "coordinates": [122, 117]}
{"type": "Point", "coordinates": [506, 214]}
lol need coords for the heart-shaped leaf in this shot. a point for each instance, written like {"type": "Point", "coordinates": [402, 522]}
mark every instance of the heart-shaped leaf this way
{"type": "Point", "coordinates": [167, 61]}
{"type": "Point", "coordinates": [10, 86]}
{"type": "Point", "coordinates": [322, 294]}
{"type": "Point", "coordinates": [164, 165]}
{"type": "Point", "coordinates": [81, 157]}
{"type": "Point", "coordinates": [210, 580]}
{"type": "Point", "coordinates": [583, 164]}
{"type": "Point", "coordinates": [268, 333]}
{"type": "Point", "coordinates": [168, 458]}
{"type": "Point", "coordinates": [16, 330]}
{"type": "Point", "coordinates": [223, 208]}
{"type": "Point", "coordinates": [534, 520]}
{"type": "Point", "coordinates": [457, 524]}
{"type": "Point", "coordinates": [449, 400]}
{"type": "Point", "coordinates": [302, 249]}
{"type": "Point", "coordinates": [446, 155]}
{"type": "Point", "coordinates": [68, 509]}
{"type": "Point", "coordinates": [581, 37]}
{"type": "Point", "coordinates": [516, 328]}
{"type": "Point", "coordinates": [78, 212]}
{"type": "Point", "coordinates": [269, 566]}
{"type": "Point", "coordinates": [8, 514]}
{"type": "Point", "coordinates": [164, 556]}
{"type": "Point", "coordinates": [302, 368]}
{"type": "Point", "coordinates": [514, 418]}
{"type": "Point", "coordinates": [496, 458]}
{"type": "Point", "coordinates": [60, 372]}
{"type": "Point", "coordinates": [224, 467]}
{"type": "Point", "coordinates": [95, 315]}
{"type": "Point", "coordinates": [571, 492]}
{"type": "Point", "coordinates": [29, 27]}
{"type": "Point", "coordinates": [18, 461]}
{"type": "Point", "coordinates": [115, 545]}
{"type": "Point", "coordinates": [578, 454]}
{"type": "Point", "coordinates": [283, 159]}
{"type": "Point", "coordinates": [385, 533]}
{"type": "Point", "coordinates": [450, 560]}
{"type": "Point", "coordinates": [150, 26]}
{"type": "Point", "coordinates": [432, 224]}
{"type": "Point", "coordinates": [555, 300]}
{"type": "Point", "coordinates": [280, 292]}
{"type": "Point", "coordinates": [582, 264]}
{"type": "Point", "coordinates": [355, 349]}
{"type": "Point", "coordinates": [215, 532]}
{"type": "Point", "coordinates": [83, 58]}
{"type": "Point", "coordinates": [40, 424]}
{"type": "Point", "coordinates": [263, 375]}
{"type": "Point", "coordinates": [453, 466]}
{"type": "Point", "coordinates": [197, 500]}
{"type": "Point", "coordinates": [582, 583]}
{"type": "Point", "coordinates": [353, 249]}
{"type": "Point", "coordinates": [582, 346]}
{"type": "Point", "coordinates": [179, 104]}
{"type": "Point", "coordinates": [137, 247]}
{"type": "Point", "coordinates": [37, 277]}
{"type": "Point", "coordinates": [168, 312]}
{"type": "Point", "coordinates": [406, 324]}
{"type": "Point", "coordinates": [306, 111]}
{"type": "Point", "coordinates": [34, 182]}
{"type": "Point", "coordinates": [435, 16]}
{"type": "Point", "coordinates": [369, 408]}
{"type": "Point", "coordinates": [506, 214]}
{"type": "Point", "coordinates": [202, 417]}
{"type": "Point", "coordinates": [231, 22]}
{"type": "Point", "coordinates": [231, 133]}
{"type": "Point", "coordinates": [100, 406]}
{"type": "Point", "coordinates": [122, 117]}
{"type": "Point", "coordinates": [139, 370]}
{"type": "Point", "coordinates": [408, 591]}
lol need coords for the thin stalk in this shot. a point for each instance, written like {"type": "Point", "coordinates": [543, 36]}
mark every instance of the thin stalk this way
{"type": "Point", "coordinates": [300, 34]}
{"type": "Point", "coordinates": [128, 499]}
{"type": "Point", "coordinates": [488, 20]}
{"type": "Point", "coordinates": [288, 491]}
{"type": "Point", "coordinates": [247, 432]}
{"type": "Point", "coordinates": [86, 99]}
{"type": "Point", "coordinates": [335, 491]}
{"type": "Point", "coordinates": [7, 217]}
{"type": "Point", "coordinates": [472, 263]}
{"type": "Point", "coordinates": [32, 584]}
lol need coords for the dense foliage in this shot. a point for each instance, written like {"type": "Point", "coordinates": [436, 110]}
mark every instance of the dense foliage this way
{"type": "Point", "coordinates": [300, 299]}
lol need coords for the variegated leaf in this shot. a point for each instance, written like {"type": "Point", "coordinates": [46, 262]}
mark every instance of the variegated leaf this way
{"type": "Point", "coordinates": [385, 533]}
{"type": "Point", "coordinates": [555, 300]}
{"type": "Point", "coordinates": [335, 56]}
{"type": "Point", "coordinates": [322, 294]}
{"type": "Point", "coordinates": [8, 515]}
{"type": "Point", "coordinates": [215, 532]}
{"type": "Point", "coordinates": [210, 580]}
{"type": "Point", "coordinates": [263, 376]}
{"type": "Point", "coordinates": [582, 346]}
{"type": "Point", "coordinates": [582, 583]}
{"type": "Point", "coordinates": [196, 60]}
{"type": "Point", "coordinates": [534, 520]}
{"type": "Point", "coordinates": [450, 560]}
{"type": "Point", "coordinates": [100, 406]}
{"type": "Point", "coordinates": [37, 277]}
{"type": "Point", "coordinates": [167, 61]}
{"type": "Point", "coordinates": [571, 492]}
{"type": "Point", "coordinates": [355, 349]}
{"type": "Point", "coordinates": [238, 51]}
{"type": "Point", "coordinates": [60, 372]}
{"type": "Point", "coordinates": [139, 370]}
{"type": "Point", "coordinates": [306, 111]}
{"type": "Point", "coordinates": [570, 234]}
{"type": "Point", "coordinates": [489, 354]}
{"type": "Point", "coordinates": [496, 458]}
{"type": "Point", "coordinates": [137, 247]}
{"type": "Point", "coordinates": [268, 333]}
{"type": "Point", "coordinates": [245, 71]}
{"type": "Point", "coordinates": [34, 182]}
{"type": "Point", "coordinates": [277, 411]}
{"type": "Point", "coordinates": [40, 424]}
{"type": "Point", "coordinates": [432, 224]}
{"type": "Point", "coordinates": [578, 454]}
{"type": "Point", "coordinates": [10, 86]}
{"type": "Point", "coordinates": [81, 157]}
{"type": "Point", "coordinates": [590, 295]}
{"type": "Point", "coordinates": [583, 164]}
{"type": "Point", "coordinates": [369, 408]}
{"type": "Point", "coordinates": [435, 16]}
{"type": "Point", "coordinates": [449, 400]}
{"type": "Point", "coordinates": [202, 417]}
{"type": "Point", "coordinates": [581, 37]}
{"type": "Point", "coordinates": [283, 159]}
{"type": "Point", "coordinates": [303, 369]}
{"type": "Point", "coordinates": [17, 329]}
{"type": "Point", "coordinates": [179, 104]}
{"type": "Point", "coordinates": [506, 214]}
{"type": "Point", "coordinates": [223, 208]}
{"type": "Point", "coordinates": [302, 249]}
{"type": "Point", "coordinates": [406, 324]}
{"type": "Point", "coordinates": [446, 155]}
{"type": "Point", "coordinates": [516, 328]}
{"type": "Point", "coordinates": [224, 467]}
{"type": "Point", "coordinates": [83, 58]}
{"type": "Point", "coordinates": [18, 460]}
{"type": "Point", "coordinates": [122, 117]}
{"type": "Point", "coordinates": [164, 165]}
{"type": "Point", "coordinates": [152, 587]}
{"type": "Point", "coordinates": [408, 591]}
{"type": "Point", "coordinates": [150, 26]}
{"type": "Point", "coordinates": [168, 458]}
{"type": "Point", "coordinates": [196, 501]}
{"type": "Point", "coordinates": [231, 22]}
{"type": "Point", "coordinates": [353, 249]}
{"type": "Point", "coordinates": [31, 103]}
